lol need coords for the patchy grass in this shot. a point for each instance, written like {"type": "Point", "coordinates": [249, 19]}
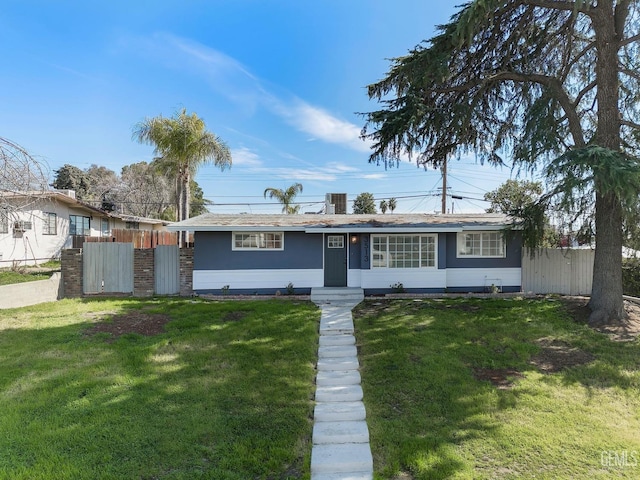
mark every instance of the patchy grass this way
{"type": "Point", "coordinates": [493, 388]}
{"type": "Point", "coordinates": [218, 390]}
{"type": "Point", "coordinates": [8, 277]}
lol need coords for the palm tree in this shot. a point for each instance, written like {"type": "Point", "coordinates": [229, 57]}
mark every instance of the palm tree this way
{"type": "Point", "coordinates": [392, 204]}
{"type": "Point", "coordinates": [182, 144]}
{"type": "Point", "coordinates": [285, 197]}
{"type": "Point", "coordinates": [383, 206]}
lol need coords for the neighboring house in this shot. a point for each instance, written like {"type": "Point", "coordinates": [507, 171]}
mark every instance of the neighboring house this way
{"type": "Point", "coordinates": [40, 224]}
{"type": "Point", "coordinates": [419, 253]}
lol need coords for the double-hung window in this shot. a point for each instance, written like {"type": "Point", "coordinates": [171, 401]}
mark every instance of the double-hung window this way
{"type": "Point", "coordinates": [481, 245]}
{"type": "Point", "coordinates": [403, 251]}
{"type": "Point", "coordinates": [50, 226]}
{"type": "Point", "coordinates": [79, 225]}
{"type": "Point", "coordinates": [258, 240]}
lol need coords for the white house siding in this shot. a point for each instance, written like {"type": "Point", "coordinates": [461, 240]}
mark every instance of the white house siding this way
{"type": "Point", "coordinates": [409, 278]}
{"type": "Point", "coordinates": [474, 277]}
{"type": "Point", "coordinates": [33, 246]}
{"type": "Point", "coordinates": [257, 279]}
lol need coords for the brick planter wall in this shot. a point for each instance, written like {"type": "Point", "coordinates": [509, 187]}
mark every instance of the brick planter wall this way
{"type": "Point", "coordinates": [71, 268]}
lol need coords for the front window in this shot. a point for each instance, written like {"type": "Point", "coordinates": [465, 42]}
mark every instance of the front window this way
{"type": "Point", "coordinates": [403, 251]}
{"type": "Point", "coordinates": [104, 227]}
{"type": "Point", "coordinates": [258, 241]}
{"type": "Point", "coordinates": [79, 225]}
{"type": "Point", "coordinates": [481, 244]}
{"type": "Point", "coordinates": [50, 224]}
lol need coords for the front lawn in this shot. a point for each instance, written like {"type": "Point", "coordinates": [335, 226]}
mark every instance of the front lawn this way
{"type": "Point", "coordinates": [496, 388]}
{"type": "Point", "coordinates": [162, 388]}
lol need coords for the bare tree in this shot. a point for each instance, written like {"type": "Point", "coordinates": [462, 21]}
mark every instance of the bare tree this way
{"type": "Point", "coordinates": [22, 177]}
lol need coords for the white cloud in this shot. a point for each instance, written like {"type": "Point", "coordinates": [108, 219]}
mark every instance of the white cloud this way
{"type": "Point", "coordinates": [374, 176]}
{"type": "Point", "coordinates": [244, 156]}
{"type": "Point", "coordinates": [231, 78]}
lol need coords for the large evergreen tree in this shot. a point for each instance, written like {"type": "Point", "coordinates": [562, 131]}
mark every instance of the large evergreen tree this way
{"type": "Point", "coordinates": [551, 85]}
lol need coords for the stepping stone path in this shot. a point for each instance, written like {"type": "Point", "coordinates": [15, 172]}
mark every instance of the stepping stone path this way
{"type": "Point", "coordinates": [341, 448]}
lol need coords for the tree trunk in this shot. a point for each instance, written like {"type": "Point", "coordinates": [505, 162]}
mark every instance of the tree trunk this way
{"type": "Point", "coordinates": [186, 195]}
{"type": "Point", "coordinates": [606, 295]}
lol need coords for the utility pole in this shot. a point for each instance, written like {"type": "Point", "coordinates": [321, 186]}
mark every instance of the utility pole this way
{"type": "Point", "coordinates": [444, 186]}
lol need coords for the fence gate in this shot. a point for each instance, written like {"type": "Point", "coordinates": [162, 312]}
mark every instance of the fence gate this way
{"type": "Point", "coordinates": [553, 270]}
{"type": "Point", "coordinates": [167, 270]}
{"type": "Point", "coordinates": [107, 267]}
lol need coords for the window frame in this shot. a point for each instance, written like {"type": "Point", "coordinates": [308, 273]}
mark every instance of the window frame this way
{"type": "Point", "coordinates": [387, 256]}
{"type": "Point", "coordinates": [461, 242]}
{"type": "Point", "coordinates": [333, 243]}
{"type": "Point", "coordinates": [47, 224]}
{"type": "Point", "coordinates": [258, 248]}
{"type": "Point", "coordinates": [85, 232]}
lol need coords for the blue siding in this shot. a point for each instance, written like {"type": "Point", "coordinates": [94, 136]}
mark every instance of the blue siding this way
{"type": "Point", "coordinates": [365, 251]}
{"type": "Point", "coordinates": [442, 251]}
{"type": "Point", "coordinates": [212, 251]}
{"type": "Point", "coordinates": [512, 260]}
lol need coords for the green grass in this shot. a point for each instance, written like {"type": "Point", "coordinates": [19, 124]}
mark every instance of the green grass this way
{"type": "Point", "coordinates": [8, 277]}
{"type": "Point", "coordinates": [430, 417]}
{"type": "Point", "coordinates": [225, 393]}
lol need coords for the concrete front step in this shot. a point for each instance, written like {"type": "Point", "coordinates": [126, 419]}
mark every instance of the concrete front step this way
{"type": "Point", "coordinates": [338, 363]}
{"type": "Point", "coordinates": [339, 411]}
{"type": "Point", "coordinates": [334, 378]}
{"type": "Point", "coordinates": [343, 476]}
{"type": "Point", "coordinates": [337, 294]}
{"type": "Point", "coordinates": [340, 393]}
{"type": "Point", "coordinates": [334, 340]}
{"type": "Point", "coordinates": [340, 432]}
{"type": "Point", "coordinates": [341, 458]}
{"type": "Point", "coordinates": [334, 351]}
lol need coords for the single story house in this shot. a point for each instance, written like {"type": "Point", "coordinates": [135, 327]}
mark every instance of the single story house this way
{"type": "Point", "coordinates": [36, 226]}
{"type": "Point", "coordinates": [248, 254]}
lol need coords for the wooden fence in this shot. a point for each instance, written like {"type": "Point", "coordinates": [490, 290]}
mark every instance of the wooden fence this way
{"type": "Point", "coordinates": [139, 238]}
{"type": "Point", "coordinates": [554, 270]}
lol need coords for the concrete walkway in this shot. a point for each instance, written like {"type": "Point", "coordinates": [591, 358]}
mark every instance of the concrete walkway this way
{"type": "Point", "coordinates": [341, 448]}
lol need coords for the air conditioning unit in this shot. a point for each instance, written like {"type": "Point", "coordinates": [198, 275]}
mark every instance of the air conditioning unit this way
{"type": "Point", "coordinates": [336, 203]}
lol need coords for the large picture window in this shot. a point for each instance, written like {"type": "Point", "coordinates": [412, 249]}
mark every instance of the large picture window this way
{"type": "Point", "coordinates": [258, 241]}
{"type": "Point", "coordinates": [481, 244]}
{"type": "Point", "coordinates": [79, 225]}
{"type": "Point", "coordinates": [50, 224]}
{"type": "Point", "coordinates": [403, 251]}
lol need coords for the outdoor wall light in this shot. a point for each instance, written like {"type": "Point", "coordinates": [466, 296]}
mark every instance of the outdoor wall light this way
{"type": "Point", "coordinates": [354, 239]}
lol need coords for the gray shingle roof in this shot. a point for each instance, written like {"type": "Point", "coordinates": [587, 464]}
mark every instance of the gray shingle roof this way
{"type": "Point", "coordinates": [307, 222]}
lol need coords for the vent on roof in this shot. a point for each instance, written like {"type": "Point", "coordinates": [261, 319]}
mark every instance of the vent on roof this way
{"type": "Point", "coordinates": [336, 203]}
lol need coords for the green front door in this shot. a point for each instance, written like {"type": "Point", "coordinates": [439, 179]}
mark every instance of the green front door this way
{"type": "Point", "coordinates": [335, 260]}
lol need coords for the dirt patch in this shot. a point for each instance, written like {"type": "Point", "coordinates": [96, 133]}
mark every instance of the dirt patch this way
{"type": "Point", "coordinates": [142, 323]}
{"type": "Point", "coordinates": [501, 378]}
{"type": "Point", "coordinates": [557, 355]}
{"type": "Point", "coordinates": [625, 331]}
{"type": "Point", "coordinates": [235, 316]}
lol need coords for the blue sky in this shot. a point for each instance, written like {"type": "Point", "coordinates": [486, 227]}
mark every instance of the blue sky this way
{"type": "Point", "coordinates": [280, 81]}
